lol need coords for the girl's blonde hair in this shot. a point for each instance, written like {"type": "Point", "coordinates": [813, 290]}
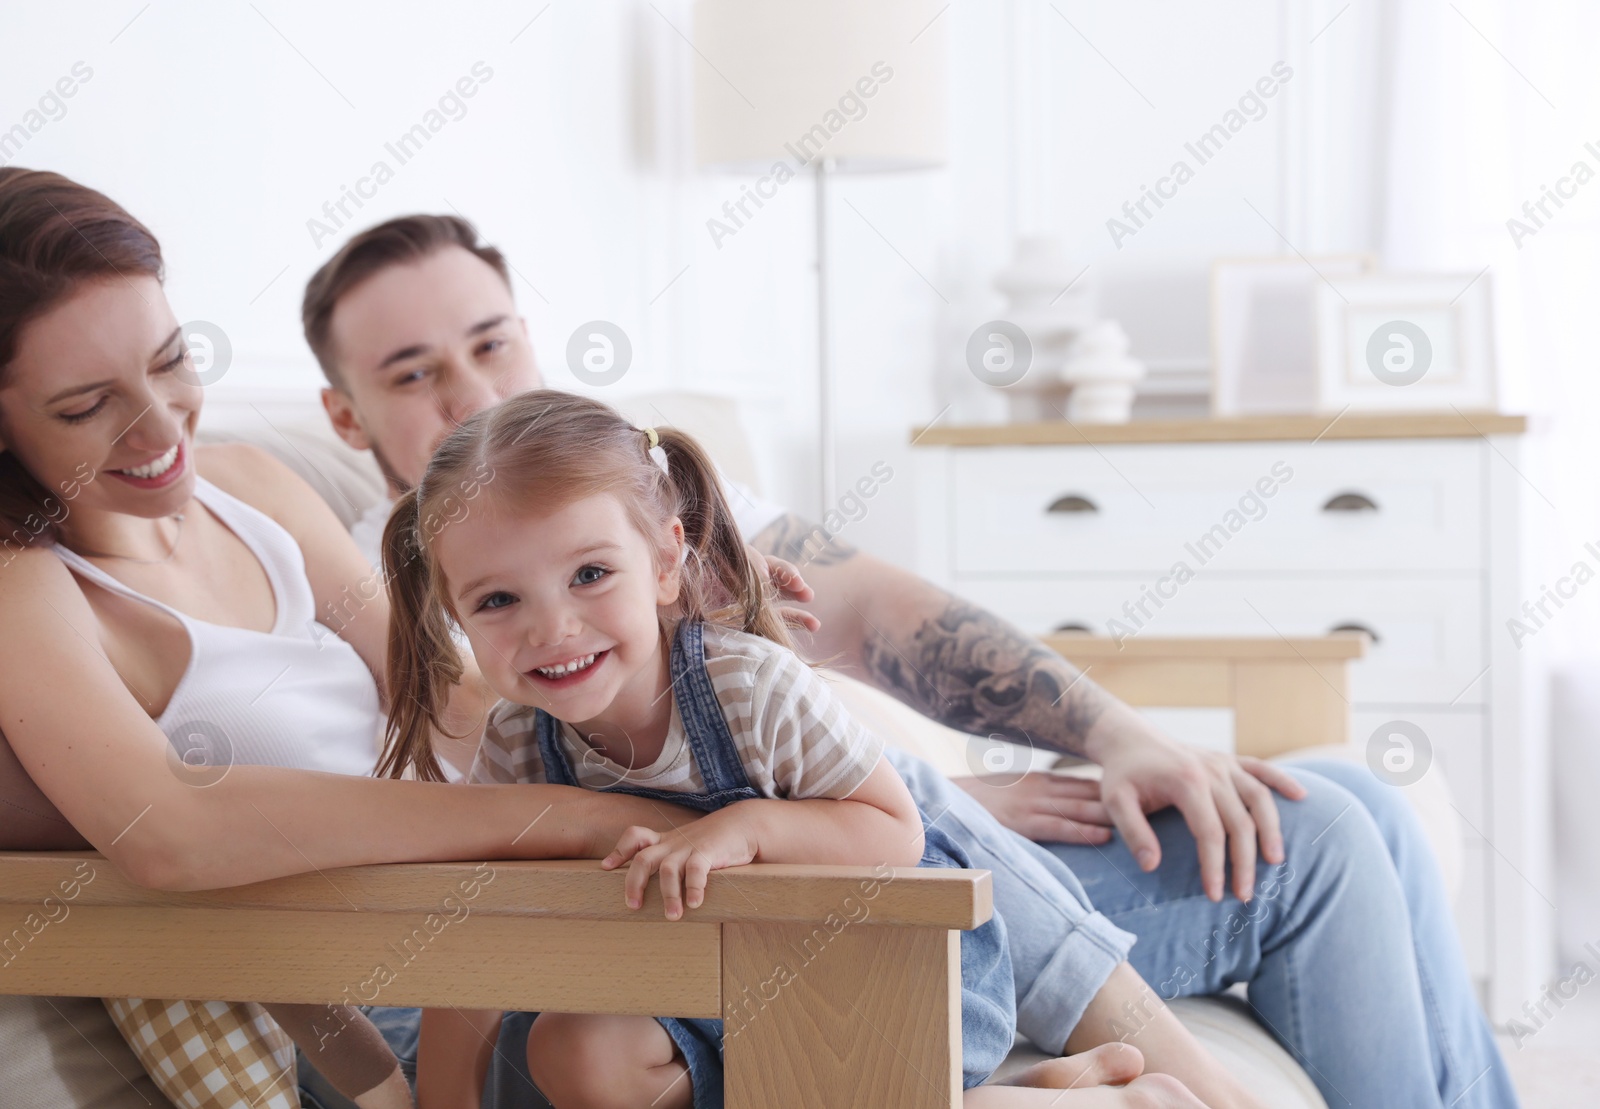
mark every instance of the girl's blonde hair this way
{"type": "Point", "coordinates": [540, 451]}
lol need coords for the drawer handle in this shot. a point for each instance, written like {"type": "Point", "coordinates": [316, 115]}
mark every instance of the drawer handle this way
{"type": "Point", "coordinates": [1074, 626]}
{"type": "Point", "coordinates": [1350, 502]}
{"type": "Point", "coordinates": [1072, 502]}
{"type": "Point", "coordinates": [1362, 628]}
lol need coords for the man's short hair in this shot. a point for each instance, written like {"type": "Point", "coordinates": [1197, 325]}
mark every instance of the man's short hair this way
{"type": "Point", "coordinates": [391, 243]}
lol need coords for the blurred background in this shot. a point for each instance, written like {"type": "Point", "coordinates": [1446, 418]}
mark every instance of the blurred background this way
{"type": "Point", "coordinates": [1020, 163]}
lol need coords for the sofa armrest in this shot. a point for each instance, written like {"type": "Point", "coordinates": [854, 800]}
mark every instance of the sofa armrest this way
{"type": "Point", "coordinates": [546, 936]}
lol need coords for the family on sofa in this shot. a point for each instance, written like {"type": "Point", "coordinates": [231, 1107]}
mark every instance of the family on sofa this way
{"type": "Point", "coordinates": [583, 642]}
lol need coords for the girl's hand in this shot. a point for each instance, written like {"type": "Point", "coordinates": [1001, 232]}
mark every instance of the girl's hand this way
{"type": "Point", "coordinates": [684, 857]}
{"type": "Point", "coordinates": [785, 578]}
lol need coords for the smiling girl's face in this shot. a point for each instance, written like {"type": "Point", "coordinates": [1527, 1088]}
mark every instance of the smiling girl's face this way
{"type": "Point", "coordinates": [95, 386]}
{"type": "Point", "coordinates": [561, 609]}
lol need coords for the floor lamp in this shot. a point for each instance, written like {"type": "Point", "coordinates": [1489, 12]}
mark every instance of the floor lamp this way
{"type": "Point", "coordinates": [823, 87]}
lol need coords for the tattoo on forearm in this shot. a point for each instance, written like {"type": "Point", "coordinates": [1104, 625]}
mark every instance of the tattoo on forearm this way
{"type": "Point", "coordinates": [803, 543]}
{"type": "Point", "coordinates": [971, 671]}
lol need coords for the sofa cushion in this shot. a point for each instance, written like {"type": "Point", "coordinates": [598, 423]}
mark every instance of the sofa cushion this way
{"type": "Point", "coordinates": [65, 1052]}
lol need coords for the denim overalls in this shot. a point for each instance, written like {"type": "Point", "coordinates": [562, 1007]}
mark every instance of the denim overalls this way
{"type": "Point", "coordinates": [988, 1002]}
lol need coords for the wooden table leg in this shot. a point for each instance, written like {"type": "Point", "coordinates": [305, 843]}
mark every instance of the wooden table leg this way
{"type": "Point", "coordinates": [868, 1016]}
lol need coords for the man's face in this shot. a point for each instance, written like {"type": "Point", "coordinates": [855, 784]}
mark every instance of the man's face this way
{"type": "Point", "coordinates": [420, 347]}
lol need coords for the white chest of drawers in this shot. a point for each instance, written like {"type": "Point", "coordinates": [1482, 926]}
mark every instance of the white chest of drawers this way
{"type": "Point", "coordinates": [1409, 527]}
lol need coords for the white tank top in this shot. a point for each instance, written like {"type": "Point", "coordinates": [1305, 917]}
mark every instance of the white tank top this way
{"type": "Point", "coordinates": [297, 696]}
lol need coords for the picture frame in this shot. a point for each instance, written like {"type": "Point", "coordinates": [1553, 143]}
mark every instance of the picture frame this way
{"type": "Point", "coordinates": [1263, 330]}
{"type": "Point", "coordinates": [1395, 342]}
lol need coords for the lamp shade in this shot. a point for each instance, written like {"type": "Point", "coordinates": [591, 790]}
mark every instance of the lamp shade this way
{"type": "Point", "coordinates": [859, 82]}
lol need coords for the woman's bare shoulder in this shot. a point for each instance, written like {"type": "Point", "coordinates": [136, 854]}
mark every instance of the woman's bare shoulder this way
{"type": "Point", "coordinates": [253, 475]}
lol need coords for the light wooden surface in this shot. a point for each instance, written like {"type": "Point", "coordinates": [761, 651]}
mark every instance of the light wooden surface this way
{"type": "Point", "coordinates": [1351, 645]}
{"type": "Point", "coordinates": [1286, 694]}
{"type": "Point", "coordinates": [486, 962]}
{"type": "Point", "coordinates": [563, 889]}
{"type": "Point", "coordinates": [867, 1013]}
{"type": "Point", "coordinates": [1351, 425]}
{"type": "Point", "coordinates": [879, 1011]}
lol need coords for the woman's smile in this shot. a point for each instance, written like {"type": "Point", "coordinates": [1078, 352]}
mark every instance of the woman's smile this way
{"type": "Point", "coordinates": [160, 471]}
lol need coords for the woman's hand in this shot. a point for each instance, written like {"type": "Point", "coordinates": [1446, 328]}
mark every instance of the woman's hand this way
{"type": "Point", "coordinates": [683, 857]}
{"type": "Point", "coordinates": [1045, 807]}
{"type": "Point", "coordinates": [785, 578]}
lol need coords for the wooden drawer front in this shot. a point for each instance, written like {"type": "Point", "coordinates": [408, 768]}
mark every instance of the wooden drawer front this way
{"type": "Point", "coordinates": [1429, 647]}
{"type": "Point", "coordinates": [1144, 508]}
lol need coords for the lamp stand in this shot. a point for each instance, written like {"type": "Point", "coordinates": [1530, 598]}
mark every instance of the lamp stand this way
{"type": "Point", "coordinates": [822, 169]}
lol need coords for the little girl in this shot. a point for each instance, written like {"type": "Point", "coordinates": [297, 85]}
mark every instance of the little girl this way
{"type": "Point", "coordinates": [609, 600]}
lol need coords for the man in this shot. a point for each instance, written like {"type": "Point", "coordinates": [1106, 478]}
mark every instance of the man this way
{"type": "Point", "coordinates": [416, 328]}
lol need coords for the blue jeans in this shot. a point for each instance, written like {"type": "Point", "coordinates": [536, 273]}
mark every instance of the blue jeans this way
{"type": "Point", "coordinates": [1348, 950]}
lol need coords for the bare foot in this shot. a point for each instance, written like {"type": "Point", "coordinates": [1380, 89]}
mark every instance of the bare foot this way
{"type": "Point", "coordinates": [1111, 1064]}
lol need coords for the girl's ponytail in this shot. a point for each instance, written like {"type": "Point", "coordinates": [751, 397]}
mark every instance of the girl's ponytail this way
{"type": "Point", "coordinates": [720, 583]}
{"type": "Point", "coordinates": [424, 662]}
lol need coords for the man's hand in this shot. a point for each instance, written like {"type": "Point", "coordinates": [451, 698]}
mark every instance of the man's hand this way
{"type": "Point", "coordinates": [785, 578]}
{"type": "Point", "coordinates": [1224, 799]}
{"type": "Point", "coordinates": [1046, 807]}
{"type": "Point", "coordinates": [683, 860]}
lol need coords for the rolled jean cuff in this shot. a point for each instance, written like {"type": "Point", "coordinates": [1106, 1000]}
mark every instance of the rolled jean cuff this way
{"type": "Point", "coordinates": [1059, 995]}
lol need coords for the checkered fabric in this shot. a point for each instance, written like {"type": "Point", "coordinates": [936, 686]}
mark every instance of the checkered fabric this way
{"type": "Point", "coordinates": [210, 1054]}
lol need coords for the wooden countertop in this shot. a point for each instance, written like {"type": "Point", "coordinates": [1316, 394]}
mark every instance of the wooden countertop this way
{"type": "Point", "coordinates": [1454, 424]}
{"type": "Point", "coordinates": [1080, 647]}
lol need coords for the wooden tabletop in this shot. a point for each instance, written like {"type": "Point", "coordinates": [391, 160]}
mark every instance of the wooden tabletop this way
{"type": "Point", "coordinates": [1081, 648]}
{"type": "Point", "coordinates": [1452, 424]}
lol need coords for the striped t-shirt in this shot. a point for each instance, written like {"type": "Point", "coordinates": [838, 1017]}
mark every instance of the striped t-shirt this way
{"type": "Point", "coordinates": [792, 736]}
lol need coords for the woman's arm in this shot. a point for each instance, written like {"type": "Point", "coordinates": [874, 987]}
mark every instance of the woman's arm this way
{"type": "Point", "coordinates": [86, 742]}
{"type": "Point", "coordinates": [453, 1053]}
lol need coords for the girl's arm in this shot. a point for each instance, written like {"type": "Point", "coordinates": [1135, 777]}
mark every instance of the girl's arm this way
{"type": "Point", "coordinates": [877, 824]}
{"type": "Point", "coordinates": [84, 738]}
{"type": "Point", "coordinates": [453, 1053]}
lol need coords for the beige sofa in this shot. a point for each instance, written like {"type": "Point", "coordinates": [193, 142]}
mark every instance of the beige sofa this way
{"type": "Point", "coordinates": [65, 1052]}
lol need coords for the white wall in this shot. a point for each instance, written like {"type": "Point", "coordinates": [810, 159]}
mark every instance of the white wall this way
{"type": "Point", "coordinates": [228, 126]}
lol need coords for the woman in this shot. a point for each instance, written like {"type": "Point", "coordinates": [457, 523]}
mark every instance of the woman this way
{"type": "Point", "coordinates": [145, 604]}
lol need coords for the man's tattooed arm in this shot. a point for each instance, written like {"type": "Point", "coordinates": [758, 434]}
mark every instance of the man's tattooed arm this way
{"type": "Point", "coordinates": [803, 543]}
{"type": "Point", "coordinates": [972, 671]}
{"type": "Point", "coordinates": [947, 658]}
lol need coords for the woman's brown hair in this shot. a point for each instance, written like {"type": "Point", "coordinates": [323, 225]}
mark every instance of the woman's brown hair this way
{"type": "Point", "coordinates": [55, 234]}
{"type": "Point", "coordinates": [542, 450]}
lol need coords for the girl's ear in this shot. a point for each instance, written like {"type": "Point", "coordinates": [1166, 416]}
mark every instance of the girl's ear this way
{"type": "Point", "coordinates": [670, 580]}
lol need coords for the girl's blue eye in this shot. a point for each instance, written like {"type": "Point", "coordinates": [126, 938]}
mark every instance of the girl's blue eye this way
{"type": "Point", "coordinates": [495, 600]}
{"type": "Point", "coordinates": [584, 577]}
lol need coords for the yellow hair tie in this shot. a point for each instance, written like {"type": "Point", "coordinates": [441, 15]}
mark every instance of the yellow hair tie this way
{"type": "Point", "coordinates": [656, 453]}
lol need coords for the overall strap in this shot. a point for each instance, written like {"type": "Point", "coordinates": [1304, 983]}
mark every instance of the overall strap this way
{"type": "Point", "coordinates": [710, 740]}
{"type": "Point", "coordinates": [557, 767]}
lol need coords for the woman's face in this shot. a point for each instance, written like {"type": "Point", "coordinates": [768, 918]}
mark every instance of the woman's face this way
{"type": "Point", "coordinates": [100, 402]}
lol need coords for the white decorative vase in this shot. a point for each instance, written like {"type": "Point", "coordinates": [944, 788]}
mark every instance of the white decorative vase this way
{"type": "Point", "coordinates": [1103, 377]}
